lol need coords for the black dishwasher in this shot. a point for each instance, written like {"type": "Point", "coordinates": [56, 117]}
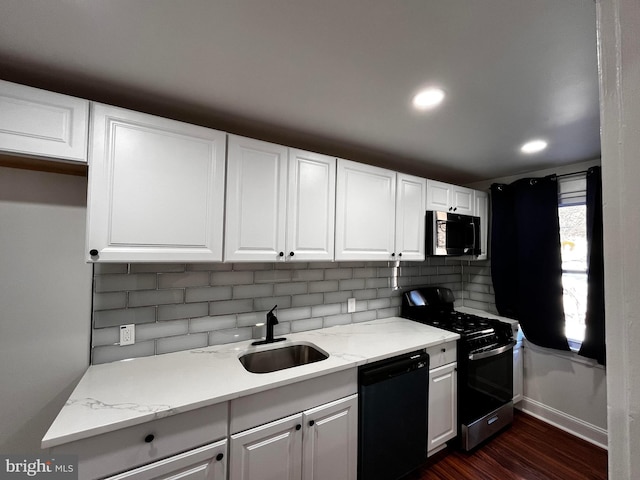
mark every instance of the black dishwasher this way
{"type": "Point", "coordinates": [392, 406]}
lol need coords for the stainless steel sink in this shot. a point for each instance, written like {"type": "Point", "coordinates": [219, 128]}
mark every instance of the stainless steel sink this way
{"type": "Point", "coordinates": [286, 356]}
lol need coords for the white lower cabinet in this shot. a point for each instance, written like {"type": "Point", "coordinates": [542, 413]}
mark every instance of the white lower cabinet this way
{"type": "Point", "coordinates": [443, 425]}
{"type": "Point", "coordinates": [186, 445]}
{"type": "Point", "coordinates": [443, 396]}
{"type": "Point", "coordinates": [204, 463]}
{"type": "Point", "coordinates": [317, 444]}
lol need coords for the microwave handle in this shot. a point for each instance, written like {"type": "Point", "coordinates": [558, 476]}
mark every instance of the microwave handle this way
{"type": "Point", "coordinates": [473, 245]}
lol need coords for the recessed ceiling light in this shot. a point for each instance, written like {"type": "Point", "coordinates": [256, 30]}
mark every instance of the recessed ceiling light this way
{"type": "Point", "coordinates": [428, 98]}
{"type": "Point", "coordinates": [534, 146]}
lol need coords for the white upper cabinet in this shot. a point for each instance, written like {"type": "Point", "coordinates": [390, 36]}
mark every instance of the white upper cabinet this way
{"type": "Point", "coordinates": [256, 200]}
{"type": "Point", "coordinates": [482, 211]}
{"type": "Point", "coordinates": [311, 206]}
{"type": "Point", "coordinates": [445, 197]}
{"type": "Point", "coordinates": [35, 122]}
{"type": "Point", "coordinates": [156, 189]}
{"type": "Point", "coordinates": [280, 203]}
{"type": "Point", "coordinates": [365, 212]}
{"type": "Point", "coordinates": [410, 217]}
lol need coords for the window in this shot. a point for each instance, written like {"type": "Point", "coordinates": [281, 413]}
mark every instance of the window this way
{"type": "Point", "coordinates": [572, 212]}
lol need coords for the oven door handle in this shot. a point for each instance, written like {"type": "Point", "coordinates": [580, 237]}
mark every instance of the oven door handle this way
{"type": "Point", "coordinates": [491, 353]}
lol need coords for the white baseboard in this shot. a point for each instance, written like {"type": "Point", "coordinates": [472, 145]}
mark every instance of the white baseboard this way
{"type": "Point", "coordinates": [575, 426]}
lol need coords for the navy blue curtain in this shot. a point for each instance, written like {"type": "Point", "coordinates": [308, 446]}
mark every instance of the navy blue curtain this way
{"type": "Point", "coordinates": [526, 263]}
{"type": "Point", "coordinates": [593, 345]}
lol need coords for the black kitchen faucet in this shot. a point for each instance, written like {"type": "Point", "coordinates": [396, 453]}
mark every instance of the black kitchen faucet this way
{"type": "Point", "coordinates": [272, 321]}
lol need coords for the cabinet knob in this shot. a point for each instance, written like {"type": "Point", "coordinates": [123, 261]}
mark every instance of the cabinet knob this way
{"type": "Point", "coordinates": [281, 254]}
{"type": "Point", "coordinates": [93, 252]}
{"type": "Point", "coordinates": [400, 254]}
{"type": "Point", "coordinates": [149, 438]}
{"type": "Point", "coordinates": [443, 350]}
{"type": "Point", "coordinates": [456, 208]}
{"type": "Point", "coordinates": [220, 456]}
{"type": "Point", "coordinates": [291, 254]}
{"type": "Point", "coordinates": [312, 423]}
{"type": "Point", "coordinates": [298, 427]}
{"type": "Point", "coordinates": [393, 254]}
{"type": "Point", "coordinates": [450, 208]}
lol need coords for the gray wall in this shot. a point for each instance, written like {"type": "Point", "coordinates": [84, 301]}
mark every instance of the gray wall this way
{"type": "Point", "coordinates": [45, 293]}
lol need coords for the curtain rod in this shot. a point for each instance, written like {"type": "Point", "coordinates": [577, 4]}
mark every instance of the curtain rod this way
{"type": "Point", "coordinates": [582, 172]}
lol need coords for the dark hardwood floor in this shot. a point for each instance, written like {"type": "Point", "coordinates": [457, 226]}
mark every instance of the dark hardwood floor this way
{"type": "Point", "coordinates": [529, 450]}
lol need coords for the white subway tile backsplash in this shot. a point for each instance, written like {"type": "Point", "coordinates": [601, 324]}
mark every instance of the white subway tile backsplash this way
{"type": "Point", "coordinates": [337, 297]}
{"type": "Point", "coordinates": [304, 325]}
{"type": "Point", "coordinates": [184, 306]}
{"type": "Point", "coordinates": [325, 310]}
{"type": "Point", "coordinates": [156, 267]}
{"type": "Point", "coordinates": [208, 294]}
{"type": "Point", "coordinates": [112, 353]}
{"type": "Point", "coordinates": [111, 318]}
{"type": "Point", "coordinates": [306, 300]}
{"type": "Point", "coordinates": [182, 310]}
{"type": "Point", "coordinates": [118, 283]}
{"type": "Point", "coordinates": [182, 280]}
{"type": "Point", "coordinates": [230, 306]}
{"type": "Point", "coordinates": [252, 291]}
{"type": "Point", "coordinates": [267, 303]}
{"type": "Point", "coordinates": [338, 274]}
{"type": "Point", "coordinates": [155, 297]}
{"type": "Point", "coordinates": [232, 278]}
{"type": "Point", "coordinates": [209, 324]}
{"type": "Point", "coordinates": [220, 337]}
{"type": "Point", "coordinates": [109, 301]}
{"type": "Point", "coordinates": [291, 314]}
{"type": "Point", "coordinates": [324, 286]}
{"type": "Point", "coordinates": [333, 320]}
{"type": "Point", "coordinates": [185, 342]}
{"type": "Point", "coordinates": [291, 288]}
{"type": "Point", "coordinates": [150, 331]}
{"type": "Point", "coordinates": [364, 316]}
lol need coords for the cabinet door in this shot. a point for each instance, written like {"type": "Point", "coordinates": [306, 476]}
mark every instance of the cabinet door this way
{"type": "Point", "coordinates": [365, 212]}
{"type": "Point", "coordinates": [269, 452]}
{"type": "Point", "coordinates": [410, 217]}
{"type": "Point", "coordinates": [330, 443]}
{"type": "Point", "coordinates": [256, 200]}
{"type": "Point", "coordinates": [482, 211]}
{"type": "Point", "coordinates": [462, 200]}
{"type": "Point", "coordinates": [156, 189]}
{"type": "Point", "coordinates": [40, 123]}
{"type": "Point", "coordinates": [204, 463]}
{"type": "Point", "coordinates": [439, 196]}
{"type": "Point", "coordinates": [443, 413]}
{"type": "Point", "coordinates": [310, 206]}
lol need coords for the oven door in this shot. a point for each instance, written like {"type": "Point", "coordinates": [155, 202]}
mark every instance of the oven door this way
{"type": "Point", "coordinates": [488, 383]}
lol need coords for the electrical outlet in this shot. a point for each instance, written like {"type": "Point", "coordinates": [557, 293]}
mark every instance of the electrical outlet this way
{"type": "Point", "coordinates": [127, 334]}
{"type": "Point", "coordinates": [351, 305]}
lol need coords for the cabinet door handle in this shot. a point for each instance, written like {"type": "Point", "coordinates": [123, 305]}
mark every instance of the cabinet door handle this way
{"type": "Point", "coordinates": [400, 254]}
{"type": "Point", "coordinates": [456, 208]}
{"type": "Point", "coordinates": [311, 423]}
{"type": "Point", "coordinates": [298, 427]}
{"type": "Point", "coordinates": [93, 252]}
{"type": "Point", "coordinates": [443, 350]}
{"type": "Point", "coordinates": [220, 456]}
{"type": "Point", "coordinates": [291, 254]}
{"type": "Point", "coordinates": [149, 438]}
{"type": "Point", "coordinates": [393, 254]}
{"type": "Point", "coordinates": [281, 254]}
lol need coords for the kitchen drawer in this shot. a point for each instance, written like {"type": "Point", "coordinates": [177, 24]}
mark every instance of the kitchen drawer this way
{"type": "Point", "coordinates": [131, 447]}
{"type": "Point", "coordinates": [442, 354]}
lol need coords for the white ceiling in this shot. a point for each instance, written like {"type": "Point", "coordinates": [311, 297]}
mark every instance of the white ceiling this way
{"type": "Point", "coordinates": [333, 75]}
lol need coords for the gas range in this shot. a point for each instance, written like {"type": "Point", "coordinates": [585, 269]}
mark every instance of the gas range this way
{"type": "Point", "coordinates": [484, 362]}
{"type": "Point", "coordinates": [434, 306]}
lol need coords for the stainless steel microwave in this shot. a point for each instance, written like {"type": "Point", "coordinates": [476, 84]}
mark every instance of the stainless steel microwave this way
{"type": "Point", "coordinates": [449, 234]}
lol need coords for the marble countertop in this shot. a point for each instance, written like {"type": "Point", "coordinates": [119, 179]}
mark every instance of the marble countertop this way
{"type": "Point", "coordinates": [121, 394]}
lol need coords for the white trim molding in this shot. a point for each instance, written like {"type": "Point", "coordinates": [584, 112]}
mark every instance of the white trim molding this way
{"type": "Point", "coordinates": [573, 425]}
